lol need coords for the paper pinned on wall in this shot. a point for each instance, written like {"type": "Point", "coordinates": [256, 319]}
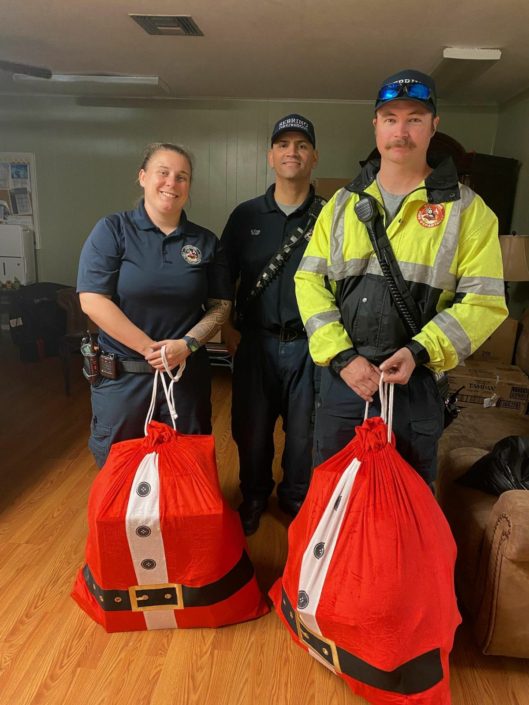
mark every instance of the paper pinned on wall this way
{"type": "Point", "coordinates": [21, 201]}
{"type": "Point", "coordinates": [20, 176]}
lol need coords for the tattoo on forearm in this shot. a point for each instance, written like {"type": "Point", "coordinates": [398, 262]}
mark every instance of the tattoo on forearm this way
{"type": "Point", "coordinates": [217, 313]}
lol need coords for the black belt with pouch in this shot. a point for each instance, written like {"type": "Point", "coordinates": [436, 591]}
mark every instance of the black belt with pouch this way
{"type": "Point", "coordinates": [97, 363]}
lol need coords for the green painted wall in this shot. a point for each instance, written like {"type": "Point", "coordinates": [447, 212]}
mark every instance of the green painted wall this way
{"type": "Point", "coordinates": [88, 156]}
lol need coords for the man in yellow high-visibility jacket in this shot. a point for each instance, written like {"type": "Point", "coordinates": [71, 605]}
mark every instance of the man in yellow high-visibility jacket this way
{"type": "Point", "coordinates": [445, 240]}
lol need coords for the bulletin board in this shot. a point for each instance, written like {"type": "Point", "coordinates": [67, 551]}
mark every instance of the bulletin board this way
{"type": "Point", "coordinates": [18, 190]}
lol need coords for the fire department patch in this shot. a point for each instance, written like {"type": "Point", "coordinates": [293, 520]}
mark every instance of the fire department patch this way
{"type": "Point", "coordinates": [191, 254]}
{"type": "Point", "coordinates": [431, 214]}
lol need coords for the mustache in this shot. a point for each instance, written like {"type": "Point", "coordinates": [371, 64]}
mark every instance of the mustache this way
{"type": "Point", "coordinates": [405, 142]}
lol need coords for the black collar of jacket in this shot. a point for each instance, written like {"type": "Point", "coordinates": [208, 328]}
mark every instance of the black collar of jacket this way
{"type": "Point", "coordinates": [441, 185]}
{"type": "Point", "coordinates": [271, 205]}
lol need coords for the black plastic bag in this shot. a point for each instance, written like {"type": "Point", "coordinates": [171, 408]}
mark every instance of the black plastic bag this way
{"type": "Point", "coordinates": [506, 467]}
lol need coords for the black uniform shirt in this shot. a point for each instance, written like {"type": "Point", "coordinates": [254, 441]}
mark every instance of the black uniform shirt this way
{"type": "Point", "coordinates": [255, 231]}
{"type": "Point", "coordinates": [160, 282]}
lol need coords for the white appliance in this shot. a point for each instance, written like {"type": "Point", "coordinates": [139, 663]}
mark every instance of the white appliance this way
{"type": "Point", "coordinates": [17, 254]}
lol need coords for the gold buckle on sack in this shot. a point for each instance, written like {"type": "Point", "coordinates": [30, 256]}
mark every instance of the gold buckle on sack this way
{"type": "Point", "coordinates": [326, 648]}
{"type": "Point", "coordinates": [169, 597]}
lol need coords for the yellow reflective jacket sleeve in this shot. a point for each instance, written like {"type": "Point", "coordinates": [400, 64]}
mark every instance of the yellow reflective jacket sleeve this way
{"type": "Point", "coordinates": [315, 294]}
{"type": "Point", "coordinates": [468, 316]}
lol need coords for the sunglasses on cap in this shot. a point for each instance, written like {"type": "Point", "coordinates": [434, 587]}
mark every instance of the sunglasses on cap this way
{"type": "Point", "coordinates": [418, 91]}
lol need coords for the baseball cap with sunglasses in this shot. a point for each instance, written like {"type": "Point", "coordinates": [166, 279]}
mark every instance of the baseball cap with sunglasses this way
{"type": "Point", "coordinates": [408, 85]}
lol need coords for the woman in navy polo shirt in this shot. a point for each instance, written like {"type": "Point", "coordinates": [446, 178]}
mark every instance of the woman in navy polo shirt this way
{"type": "Point", "coordinates": [148, 278]}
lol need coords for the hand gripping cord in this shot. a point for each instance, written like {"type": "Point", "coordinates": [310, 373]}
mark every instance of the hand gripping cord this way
{"type": "Point", "coordinates": [168, 390]}
{"type": "Point", "coordinates": [386, 393]}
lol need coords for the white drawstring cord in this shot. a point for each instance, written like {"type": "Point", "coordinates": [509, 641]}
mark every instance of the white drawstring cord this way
{"type": "Point", "coordinates": [386, 392]}
{"type": "Point", "coordinates": [168, 390]}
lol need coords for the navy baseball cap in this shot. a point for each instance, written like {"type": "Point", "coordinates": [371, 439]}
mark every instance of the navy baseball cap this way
{"type": "Point", "coordinates": [294, 123]}
{"type": "Point", "coordinates": [408, 85]}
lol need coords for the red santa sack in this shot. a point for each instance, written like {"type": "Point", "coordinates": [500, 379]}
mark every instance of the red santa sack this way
{"type": "Point", "coordinates": [368, 587]}
{"type": "Point", "coordinates": [164, 549]}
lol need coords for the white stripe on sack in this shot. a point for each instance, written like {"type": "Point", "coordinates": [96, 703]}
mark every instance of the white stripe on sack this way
{"type": "Point", "coordinates": [319, 552]}
{"type": "Point", "coordinates": [145, 539]}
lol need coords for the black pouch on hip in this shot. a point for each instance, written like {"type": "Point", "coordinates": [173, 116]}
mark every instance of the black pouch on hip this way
{"type": "Point", "coordinates": [108, 365]}
{"type": "Point", "coordinates": [90, 355]}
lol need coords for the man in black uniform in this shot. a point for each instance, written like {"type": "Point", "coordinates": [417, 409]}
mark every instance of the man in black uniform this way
{"type": "Point", "coordinates": [273, 374]}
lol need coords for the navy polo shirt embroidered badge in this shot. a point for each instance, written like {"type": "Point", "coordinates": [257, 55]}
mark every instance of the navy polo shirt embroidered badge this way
{"type": "Point", "coordinates": [191, 254]}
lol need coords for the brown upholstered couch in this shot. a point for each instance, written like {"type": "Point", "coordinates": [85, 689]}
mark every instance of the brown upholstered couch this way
{"type": "Point", "coordinates": [492, 569]}
{"type": "Point", "coordinates": [492, 533]}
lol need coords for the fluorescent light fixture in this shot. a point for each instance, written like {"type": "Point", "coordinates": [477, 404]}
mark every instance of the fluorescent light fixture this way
{"type": "Point", "coordinates": [471, 54]}
{"type": "Point", "coordinates": [95, 84]}
{"type": "Point", "coordinates": [94, 78]}
{"type": "Point", "coordinates": [461, 66]}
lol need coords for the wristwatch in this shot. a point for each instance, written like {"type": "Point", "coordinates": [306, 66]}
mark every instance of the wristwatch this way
{"type": "Point", "coordinates": [192, 343]}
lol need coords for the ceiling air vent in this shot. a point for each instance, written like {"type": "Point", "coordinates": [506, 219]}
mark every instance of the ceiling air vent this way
{"type": "Point", "coordinates": [174, 25]}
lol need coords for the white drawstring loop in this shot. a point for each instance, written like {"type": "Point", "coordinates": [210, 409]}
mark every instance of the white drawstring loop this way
{"type": "Point", "coordinates": [168, 390]}
{"type": "Point", "coordinates": [386, 392]}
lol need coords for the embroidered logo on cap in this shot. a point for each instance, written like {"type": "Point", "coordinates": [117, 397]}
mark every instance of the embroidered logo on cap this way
{"type": "Point", "coordinates": [255, 232]}
{"type": "Point", "coordinates": [431, 215]}
{"type": "Point", "coordinates": [191, 254]}
{"type": "Point", "coordinates": [293, 123]}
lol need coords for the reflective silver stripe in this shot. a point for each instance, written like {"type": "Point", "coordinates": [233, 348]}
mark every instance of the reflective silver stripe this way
{"type": "Point", "coordinates": [321, 319]}
{"type": "Point", "coordinates": [373, 266]}
{"type": "Point", "coordinates": [467, 196]}
{"type": "Point", "coordinates": [440, 276]}
{"type": "Point", "coordinates": [424, 274]}
{"type": "Point", "coordinates": [484, 286]}
{"type": "Point", "coordinates": [316, 265]}
{"type": "Point", "coordinates": [455, 333]}
{"type": "Point", "coordinates": [351, 268]}
{"type": "Point", "coordinates": [337, 229]}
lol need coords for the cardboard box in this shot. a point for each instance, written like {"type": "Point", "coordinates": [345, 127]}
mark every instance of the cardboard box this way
{"type": "Point", "coordinates": [328, 187]}
{"type": "Point", "coordinates": [500, 345]}
{"type": "Point", "coordinates": [489, 384]}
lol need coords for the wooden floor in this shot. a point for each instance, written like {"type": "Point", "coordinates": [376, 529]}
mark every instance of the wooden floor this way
{"type": "Point", "coordinates": [51, 653]}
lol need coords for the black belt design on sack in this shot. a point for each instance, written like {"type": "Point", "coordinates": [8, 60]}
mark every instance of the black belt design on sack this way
{"type": "Point", "coordinates": [174, 596]}
{"type": "Point", "coordinates": [414, 676]}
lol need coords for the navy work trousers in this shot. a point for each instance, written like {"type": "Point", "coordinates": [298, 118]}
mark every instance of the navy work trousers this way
{"type": "Point", "coordinates": [119, 406]}
{"type": "Point", "coordinates": [271, 379]}
{"type": "Point", "coordinates": [418, 419]}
